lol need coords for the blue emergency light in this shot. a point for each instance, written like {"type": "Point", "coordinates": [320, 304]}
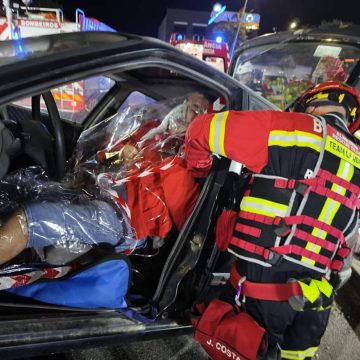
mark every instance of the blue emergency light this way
{"type": "Point", "coordinates": [219, 39]}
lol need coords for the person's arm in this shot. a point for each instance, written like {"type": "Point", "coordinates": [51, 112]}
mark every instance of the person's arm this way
{"type": "Point", "coordinates": [238, 135]}
{"type": "Point", "coordinates": [339, 279]}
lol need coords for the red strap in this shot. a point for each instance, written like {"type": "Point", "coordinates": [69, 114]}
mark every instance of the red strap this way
{"type": "Point", "coordinates": [265, 291]}
{"type": "Point", "coordinates": [298, 250]}
{"type": "Point", "coordinates": [249, 230]}
{"type": "Point", "coordinates": [325, 244]}
{"type": "Point", "coordinates": [307, 220]}
{"type": "Point", "coordinates": [267, 220]}
{"type": "Point", "coordinates": [350, 203]}
{"type": "Point", "coordinates": [250, 247]}
{"type": "Point", "coordinates": [318, 186]}
{"type": "Point", "coordinates": [343, 252]}
{"type": "Point", "coordinates": [285, 183]}
{"type": "Point", "coordinates": [324, 174]}
{"type": "Point", "coordinates": [355, 200]}
{"type": "Point", "coordinates": [336, 265]}
{"type": "Point", "coordinates": [291, 183]}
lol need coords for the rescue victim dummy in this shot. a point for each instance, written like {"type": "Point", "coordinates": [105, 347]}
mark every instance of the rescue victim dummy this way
{"type": "Point", "coordinates": [123, 206]}
{"type": "Point", "coordinates": [294, 234]}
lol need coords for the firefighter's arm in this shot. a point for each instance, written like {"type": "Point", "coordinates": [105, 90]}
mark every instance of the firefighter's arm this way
{"type": "Point", "coordinates": [238, 135]}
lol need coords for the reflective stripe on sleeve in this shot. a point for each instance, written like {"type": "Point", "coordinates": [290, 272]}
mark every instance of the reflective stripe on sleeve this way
{"type": "Point", "coordinates": [217, 133]}
{"type": "Point", "coordinates": [295, 138]}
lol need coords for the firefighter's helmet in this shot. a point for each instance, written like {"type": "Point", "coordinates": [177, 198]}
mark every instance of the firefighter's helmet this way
{"type": "Point", "coordinates": [333, 93]}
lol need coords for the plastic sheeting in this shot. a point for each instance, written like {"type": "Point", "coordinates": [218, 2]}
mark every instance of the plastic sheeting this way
{"type": "Point", "coordinates": [131, 144]}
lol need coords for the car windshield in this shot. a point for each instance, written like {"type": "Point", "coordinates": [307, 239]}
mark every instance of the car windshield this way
{"type": "Point", "coordinates": [281, 72]}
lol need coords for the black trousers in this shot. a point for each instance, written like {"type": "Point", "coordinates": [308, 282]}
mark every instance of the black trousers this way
{"type": "Point", "coordinates": [297, 333]}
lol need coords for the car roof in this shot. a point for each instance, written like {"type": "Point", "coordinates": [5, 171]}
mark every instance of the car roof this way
{"type": "Point", "coordinates": [14, 51]}
{"type": "Point", "coordinates": [45, 61]}
{"type": "Point", "coordinates": [345, 34]}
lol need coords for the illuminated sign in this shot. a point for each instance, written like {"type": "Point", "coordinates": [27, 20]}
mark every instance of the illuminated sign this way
{"type": "Point", "coordinates": [250, 20]}
{"type": "Point", "coordinates": [88, 24]}
{"type": "Point", "coordinates": [39, 23]}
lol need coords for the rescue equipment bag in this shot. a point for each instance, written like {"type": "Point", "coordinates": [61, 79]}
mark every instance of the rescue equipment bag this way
{"type": "Point", "coordinates": [103, 284]}
{"type": "Point", "coordinates": [226, 332]}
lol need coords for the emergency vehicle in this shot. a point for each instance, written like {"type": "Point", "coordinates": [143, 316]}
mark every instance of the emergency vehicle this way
{"type": "Point", "coordinates": [214, 53]}
{"type": "Point", "coordinates": [36, 21]}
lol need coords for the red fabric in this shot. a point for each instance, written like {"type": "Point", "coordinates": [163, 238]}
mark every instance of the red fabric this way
{"type": "Point", "coordinates": [225, 334]}
{"type": "Point", "coordinates": [265, 291]}
{"type": "Point", "coordinates": [158, 200]}
{"type": "Point", "coordinates": [132, 139]}
{"type": "Point", "coordinates": [224, 228]}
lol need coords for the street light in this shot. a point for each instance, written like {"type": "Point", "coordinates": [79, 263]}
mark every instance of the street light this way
{"type": "Point", "coordinates": [242, 12]}
{"type": "Point", "coordinates": [217, 7]}
{"type": "Point", "coordinates": [293, 25]}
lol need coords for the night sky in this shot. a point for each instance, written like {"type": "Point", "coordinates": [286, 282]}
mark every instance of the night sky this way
{"type": "Point", "coordinates": [144, 16]}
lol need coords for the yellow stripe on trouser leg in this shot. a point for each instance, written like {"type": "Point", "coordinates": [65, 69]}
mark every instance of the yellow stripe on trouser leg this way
{"type": "Point", "coordinates": [217, 133]}
{"type": "Point", "coordinates": [298, 354]}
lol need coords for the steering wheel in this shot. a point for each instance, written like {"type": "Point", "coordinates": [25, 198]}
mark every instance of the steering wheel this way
{"type": "Point", "coordinates": [54, 126]}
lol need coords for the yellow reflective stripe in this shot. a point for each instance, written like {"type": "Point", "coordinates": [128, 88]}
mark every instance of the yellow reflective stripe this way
{"type": "Point", "coordinates": [296, 133]}
{"type": "Point", "coordinates": [217, 133]}
{"type": "Point", "coordinates": [330, 208]}
{"type": "Point", "coordinates": [311, 291]}
{"type": "Point", "coordinates": [263, 207]}
{"type": "Point", "coordinates": [316, 287]}
{"type": "Point", "coordinates": [295, 138]}
{"type": "Point", "coordinates": [299, 354]}
{"type": "Point", "coordinates": [324, 286]}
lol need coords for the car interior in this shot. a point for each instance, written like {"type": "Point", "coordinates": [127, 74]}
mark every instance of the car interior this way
{"type": "Point", "coordinates": [44, 130]}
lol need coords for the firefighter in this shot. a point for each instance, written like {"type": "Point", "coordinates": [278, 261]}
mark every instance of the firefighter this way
{"type": "Point", "coordinates": [298, 219]}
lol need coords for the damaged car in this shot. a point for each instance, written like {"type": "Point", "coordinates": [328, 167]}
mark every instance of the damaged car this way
{"type": "Point", "coordinates": [82, 115]}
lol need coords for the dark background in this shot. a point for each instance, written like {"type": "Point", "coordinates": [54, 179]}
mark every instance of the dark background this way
{"type": "Point", "coordinates": [144, 16]}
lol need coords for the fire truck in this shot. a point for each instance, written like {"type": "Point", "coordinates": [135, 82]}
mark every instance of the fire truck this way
{"type": "Point", "coordinates": [212, 52]}
{"type": "Point", "coordinates": [22, 22]}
